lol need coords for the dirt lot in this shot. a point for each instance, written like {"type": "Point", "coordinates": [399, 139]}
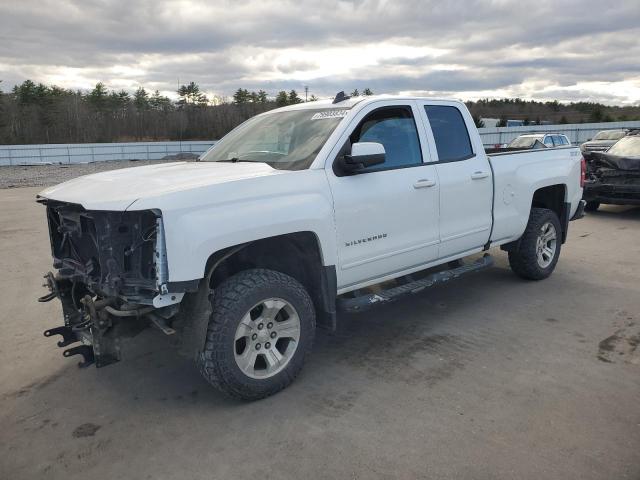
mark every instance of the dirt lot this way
{"type": "Point", "coordinates": [45, 175]}
{"type": "Point", "coordinates": [487, 378]}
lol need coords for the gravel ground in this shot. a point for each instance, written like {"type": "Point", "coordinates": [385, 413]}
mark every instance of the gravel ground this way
{"type": "Point", "coordinates": [45, 175]}
{"type": "Point", "coordinates": [486, 378]}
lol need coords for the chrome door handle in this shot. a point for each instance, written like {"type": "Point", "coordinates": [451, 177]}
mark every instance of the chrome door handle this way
{"type": "Point", "coordinates": [424, 183]}
{"type": "Point", "coordinates": [478, 175]}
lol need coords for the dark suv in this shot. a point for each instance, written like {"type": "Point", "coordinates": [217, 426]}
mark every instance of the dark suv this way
{"type": "Point", "coordinates": [601, 142]}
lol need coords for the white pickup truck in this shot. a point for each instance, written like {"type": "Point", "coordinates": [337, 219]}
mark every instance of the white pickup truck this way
{"type": "Point", "coordinates": [289, 218]}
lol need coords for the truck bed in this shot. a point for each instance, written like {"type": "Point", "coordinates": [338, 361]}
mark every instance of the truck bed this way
{"type": "Point", "coordinates": [518, 174]}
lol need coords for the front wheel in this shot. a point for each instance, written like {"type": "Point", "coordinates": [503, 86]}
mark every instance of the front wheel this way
{"type": "Point", "coordinates": [538, 250]}
{"type": "Point", "coordinates": [261, 329]}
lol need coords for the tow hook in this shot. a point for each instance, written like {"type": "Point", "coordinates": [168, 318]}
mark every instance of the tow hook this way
{"type": "Point", "coordinates": [52, 286]}
{"type": "Point", "coordinates": [91, 325]}
{"type": "Point", "coordinates": [88, 357]}
{"type": "Point", "coordinates": [68, 335]}
{"type": "Point", "coordinates": [96, 322]}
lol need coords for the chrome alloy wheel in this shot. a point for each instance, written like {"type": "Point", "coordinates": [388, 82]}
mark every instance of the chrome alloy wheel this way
{"type": "Point", "coordinates": [267, 338]}
{"type": "Point", "coordinates": [546, 244]}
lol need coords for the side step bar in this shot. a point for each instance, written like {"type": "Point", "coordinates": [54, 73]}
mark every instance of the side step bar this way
{"type": "Point", "coordinates": [365, 301]}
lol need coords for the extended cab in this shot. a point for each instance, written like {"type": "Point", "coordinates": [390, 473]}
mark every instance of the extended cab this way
{"type": "Point", "coordinates": [290, 217]}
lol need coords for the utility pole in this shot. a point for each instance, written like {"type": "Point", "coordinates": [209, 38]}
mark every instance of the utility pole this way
{"type": "Point", "coordinates": [180, 117]}
{"type": "Point", "coordinates": [306, 92]}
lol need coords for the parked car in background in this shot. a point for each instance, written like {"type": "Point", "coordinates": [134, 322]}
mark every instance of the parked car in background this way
{"type": "Point", "coordinates": [539, 140]}
{"type": "Point", "coordinates": [493, 122]}
{"type": "Point", "coordinates": [532, 141]}
{"type": "Point", "coordinates": [526, 142]}
{"type": "Point", "coordinates": [613, 176]}
{"type": "Point", "coordinates": [601, 142]}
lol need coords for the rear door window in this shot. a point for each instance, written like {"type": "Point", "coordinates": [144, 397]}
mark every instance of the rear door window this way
{"type": "Point", "coordinates": [548, 141]}
{"type": "Point", "coordinates": [449, 132]}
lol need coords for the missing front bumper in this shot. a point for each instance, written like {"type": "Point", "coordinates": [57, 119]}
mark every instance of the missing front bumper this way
{"type": "Point", "coordinates": [89, 321]}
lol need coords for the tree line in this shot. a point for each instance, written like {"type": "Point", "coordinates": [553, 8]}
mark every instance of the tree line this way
{"type": "Point", "coordinates": [533, 112]}
{"type": "Point", "coordinates": [38, 113]}
{"type": "Point", "coordinates": [283, 98]}
{"type": "Point", "coordinates": [34, 113]}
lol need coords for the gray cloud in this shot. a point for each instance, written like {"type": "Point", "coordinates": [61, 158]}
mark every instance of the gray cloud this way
{"type": "Point", "coordinates": [296, 66]}
{"type": "Point", "coordinates": [524, 48]}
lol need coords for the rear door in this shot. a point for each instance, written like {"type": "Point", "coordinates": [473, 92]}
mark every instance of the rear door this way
{"type": "Point", "coordinates": [466, 189]}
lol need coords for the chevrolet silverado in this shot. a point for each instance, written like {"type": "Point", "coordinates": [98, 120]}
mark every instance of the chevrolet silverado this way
{"type": "Point", "coordinates": [294, 215]}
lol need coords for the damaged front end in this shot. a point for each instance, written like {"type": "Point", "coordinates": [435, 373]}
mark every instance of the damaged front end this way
{"type": "Point", "coordinates": [612, 180]}
{"type": "Point", "coordinates": [111, 278]}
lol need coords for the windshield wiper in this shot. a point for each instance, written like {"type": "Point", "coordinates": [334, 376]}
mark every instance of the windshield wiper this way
{"type": "Point", "coordinates": [236, 160]}
{"type": "Point", "coordinates": [253, 152]}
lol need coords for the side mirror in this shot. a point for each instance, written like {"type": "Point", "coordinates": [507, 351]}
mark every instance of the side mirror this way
{"type": "Point", "coordinates": [363, 155]}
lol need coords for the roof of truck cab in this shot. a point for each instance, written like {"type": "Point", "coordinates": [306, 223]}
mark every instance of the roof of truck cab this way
{"type": "Point", "coordinates": [352, 101]}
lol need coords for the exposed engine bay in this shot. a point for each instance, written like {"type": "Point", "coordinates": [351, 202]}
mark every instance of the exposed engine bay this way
{"type": "Point", "coordinates": [110, 268]}
{"type": "Point", "coordinates": [111, 253]}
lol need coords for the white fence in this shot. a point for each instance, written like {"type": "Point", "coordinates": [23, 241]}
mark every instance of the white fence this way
{"type": "Point", "coordinates": [97, 152]}
{"type": "Point", "coordinates": [577, 132]}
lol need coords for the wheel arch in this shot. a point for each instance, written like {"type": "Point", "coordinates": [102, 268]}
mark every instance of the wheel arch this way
{"type": "Point", "coordinates": [297, 254]}
{"type": "Point", "coordinates": [554, 197]}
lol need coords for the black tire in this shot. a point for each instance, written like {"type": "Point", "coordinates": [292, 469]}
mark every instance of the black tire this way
{"type": "Point", "coordinates": [523, 260]}
{"type": "Point", "coordinates": [230, 303]}
{"type": "Point", "coordinates": [591, 206]}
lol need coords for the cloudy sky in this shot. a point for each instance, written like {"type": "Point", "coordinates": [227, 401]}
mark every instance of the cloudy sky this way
{"type": "Point", "coordinates": [564, 50]}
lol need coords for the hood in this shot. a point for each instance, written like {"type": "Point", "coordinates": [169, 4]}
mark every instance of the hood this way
{"type": "Point", "coordinates": [118, 189]}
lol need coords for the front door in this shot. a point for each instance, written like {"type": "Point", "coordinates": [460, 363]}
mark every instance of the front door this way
{"type": "Point", "coordinates": [387, 215]}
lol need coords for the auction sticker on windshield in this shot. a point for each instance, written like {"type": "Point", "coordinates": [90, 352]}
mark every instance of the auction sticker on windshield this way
{"type": "Point", "coordinates": [330, 114]}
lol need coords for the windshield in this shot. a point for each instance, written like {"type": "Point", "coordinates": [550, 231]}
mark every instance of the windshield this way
{"type": "Point", "coordinates": [609, 135]}
{"type": "Point", "coordinates": [523, 142]}
{"type": "Point", "coordinates": [626, 147]}
{"type": "Point", "coordinates": [284, 140]}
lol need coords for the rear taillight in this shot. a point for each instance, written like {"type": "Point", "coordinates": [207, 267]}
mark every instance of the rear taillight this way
{"type": "Point", "coordinates": [583, 171]}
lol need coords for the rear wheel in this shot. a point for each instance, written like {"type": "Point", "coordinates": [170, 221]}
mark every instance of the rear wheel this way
{"type": "Point", "coordinates": [261, 329]}
{"type": "Point", "coordinates": [592, 206]}
{"type": "Point", "coordinates": [538, 249]}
